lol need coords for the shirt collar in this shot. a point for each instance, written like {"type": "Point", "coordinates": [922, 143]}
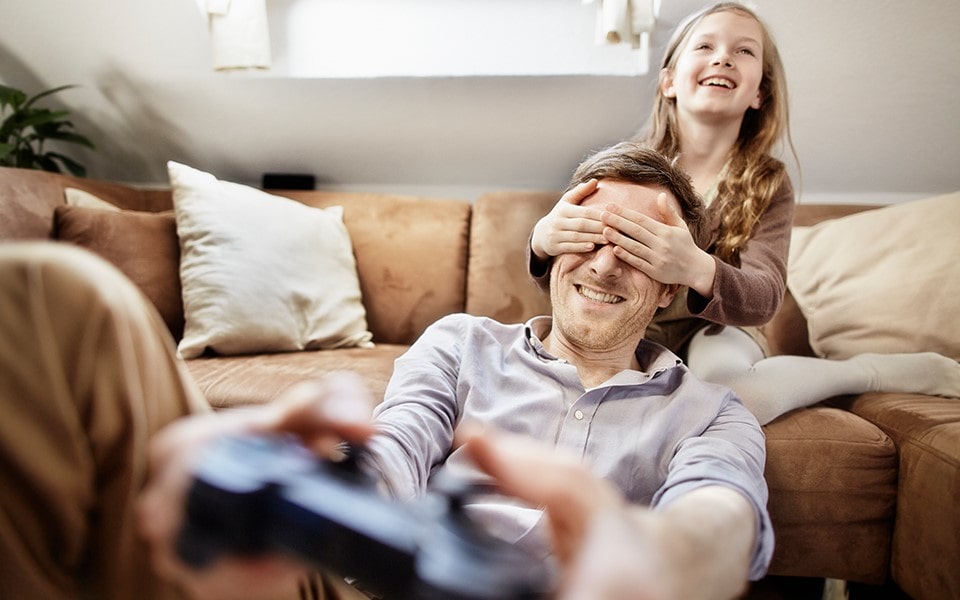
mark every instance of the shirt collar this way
{"type": "Point", "coordinates": [652, 356]}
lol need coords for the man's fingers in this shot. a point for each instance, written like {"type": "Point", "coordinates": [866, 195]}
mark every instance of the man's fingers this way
{"type": "Point", "coordinates": [538, 474]}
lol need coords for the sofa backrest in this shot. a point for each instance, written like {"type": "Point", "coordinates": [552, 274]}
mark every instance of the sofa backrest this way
{"type": "Point", "coordinates": [411, 257]}
{"type": "Point", "coordinates": [411, 252]}
{"type": "Point", "coordinates": [28, 199]}
{"type": "Point", "coordinates": [498, 283]}
{"type": "Point", "coordinates": [418, 259]}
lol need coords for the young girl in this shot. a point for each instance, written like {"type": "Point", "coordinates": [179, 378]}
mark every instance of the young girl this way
{"type": "Point", "coordinates": [721, 109]}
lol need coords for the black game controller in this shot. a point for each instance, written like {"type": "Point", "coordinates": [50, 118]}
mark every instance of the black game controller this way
{"type": "Point", "coordinates": [257, 494]}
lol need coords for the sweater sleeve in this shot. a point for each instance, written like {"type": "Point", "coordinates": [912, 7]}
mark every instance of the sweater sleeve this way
{"type": "Point", "coordinates": [751, 293]}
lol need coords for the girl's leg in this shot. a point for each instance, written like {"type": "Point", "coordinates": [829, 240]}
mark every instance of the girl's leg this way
{"type": "Point", "coordinates": [770, 387]}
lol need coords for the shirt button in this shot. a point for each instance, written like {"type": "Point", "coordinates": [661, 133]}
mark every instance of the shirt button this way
{"type": "Point", "coordinates": [578, 415]}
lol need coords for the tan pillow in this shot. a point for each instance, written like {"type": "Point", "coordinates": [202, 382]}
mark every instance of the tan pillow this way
{"type": "Point", "coordinates": [884, 280]}
{"type": "Point", "coordinates": [77, 197]}
{"type": "Point", "coordinates": [142, 245]}
{"type": "Point", "coordinates": [262, 273]}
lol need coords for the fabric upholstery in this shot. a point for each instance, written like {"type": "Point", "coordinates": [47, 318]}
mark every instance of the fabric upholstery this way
{"type": "Point", "coordinates": [832, 495]}
{"type": "Point", "coordinates": [926, 539]}
{"type": "Point", "coordinates": [411, 257]}
{"type": "Point", "coordinates": [229, 381]}
{"type": "Point", "coordinates": [498, 283]}
{"type": "Point", "coordinates": [142, 245]}
{"type": "Point", "coordinates": [857, 280]}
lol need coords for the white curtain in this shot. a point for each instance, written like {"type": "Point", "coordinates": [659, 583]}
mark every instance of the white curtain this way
{"type": "Point", "coordinates": [625, 21]}
{"type": "Point", "coordinates": [239, 33]}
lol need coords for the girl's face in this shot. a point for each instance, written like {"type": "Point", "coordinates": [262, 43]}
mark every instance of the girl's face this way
{"type": "Point", "coordinates": [718, 69]}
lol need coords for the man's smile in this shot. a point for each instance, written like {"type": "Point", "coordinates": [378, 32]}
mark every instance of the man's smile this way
{"type": "Point", "coordinates": [598, 296]}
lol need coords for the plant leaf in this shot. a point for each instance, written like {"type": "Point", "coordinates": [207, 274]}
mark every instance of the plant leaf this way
{"type": "Point", "coordinates": [73, 138]}
{"type": "Point", "coordinates": [11, 97]}
{"type": "Point", "coordinates": [5, 150]}
{"type": "Point", "coordinates": [47, 93]}
{"type": "Point", "coordinates": [47, 164]}
{"type": "Point", "coordinates": [73, 166]}
{"type": "Point", "coordinates": [40, 116]}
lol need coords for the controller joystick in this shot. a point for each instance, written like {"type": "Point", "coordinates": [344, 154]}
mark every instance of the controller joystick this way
{"type": "Point", "coordinates": [257, 494]}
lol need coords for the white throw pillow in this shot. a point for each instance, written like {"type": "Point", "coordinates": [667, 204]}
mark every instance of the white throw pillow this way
{"type": "Point", "coordinates": [262, 273]}
{"type": "Point", "coordinates": [884, 280]}
{"type": "Point", "coordinates": [78, 197]}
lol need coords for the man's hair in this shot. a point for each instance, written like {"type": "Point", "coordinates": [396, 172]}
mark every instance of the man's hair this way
{"type": "Point", "coordinates": [638, 163]}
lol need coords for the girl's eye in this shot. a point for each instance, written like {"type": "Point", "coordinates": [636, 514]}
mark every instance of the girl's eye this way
{"type": "Point", "coordinates": [702, 47]}
{"type": "Point", "coordinates": [748, 51]}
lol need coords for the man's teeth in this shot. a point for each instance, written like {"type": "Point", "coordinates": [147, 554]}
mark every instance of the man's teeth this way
{"type": "Point", "coordinates": [718, 81]}
{"type": "Point", "coordinates": [599, 296]}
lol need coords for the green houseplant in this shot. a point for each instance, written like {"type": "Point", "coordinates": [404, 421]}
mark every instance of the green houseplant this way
{"type": "Point", "coordinates": [25, 129]}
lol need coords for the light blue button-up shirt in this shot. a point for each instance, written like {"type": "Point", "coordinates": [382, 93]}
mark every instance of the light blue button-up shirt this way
{"type": "Point", "coordinates": [655, 433]}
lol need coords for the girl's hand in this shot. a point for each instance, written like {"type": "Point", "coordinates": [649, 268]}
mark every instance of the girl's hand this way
{"type": "Point", "coordinates": [664, 250]}
{"type": "Point", "coordinates": [322, 413]}
{"type": "Point", "coordinates": [569, 227]}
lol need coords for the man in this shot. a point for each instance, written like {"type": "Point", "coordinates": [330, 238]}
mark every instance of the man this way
{"type": "Point", "coordinates": [650, 464]}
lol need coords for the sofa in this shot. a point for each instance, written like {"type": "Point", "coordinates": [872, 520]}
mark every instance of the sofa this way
{"type": "Point", "coordinates": [863, 489]}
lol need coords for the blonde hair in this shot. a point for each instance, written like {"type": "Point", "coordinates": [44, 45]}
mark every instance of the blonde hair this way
{"type": "Point", "coordinates": [752, 175]}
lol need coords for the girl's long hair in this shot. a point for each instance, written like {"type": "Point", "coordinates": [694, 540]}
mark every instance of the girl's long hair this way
{"type": "Point", "coordinates": [752, 175]}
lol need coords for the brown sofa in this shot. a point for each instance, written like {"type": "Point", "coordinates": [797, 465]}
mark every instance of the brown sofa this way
{"type": "Point", "coordinates": [863, 489]}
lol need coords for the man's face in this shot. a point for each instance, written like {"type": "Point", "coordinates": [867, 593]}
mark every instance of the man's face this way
{"type": "Point", "coordinates": [600, 302]}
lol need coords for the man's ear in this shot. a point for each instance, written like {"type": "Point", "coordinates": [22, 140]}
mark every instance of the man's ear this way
{"type": "Point", "coordinates": [667, 295]}
{"type": "Point", "coordinates": [666, 83]}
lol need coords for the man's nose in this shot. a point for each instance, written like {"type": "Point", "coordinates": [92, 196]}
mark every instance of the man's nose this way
{"type": "Point", "coordinates": [605, 262]}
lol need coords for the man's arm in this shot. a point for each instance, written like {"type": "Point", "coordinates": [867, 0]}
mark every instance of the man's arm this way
{"type": "Point", "coordinates": [700, 546]}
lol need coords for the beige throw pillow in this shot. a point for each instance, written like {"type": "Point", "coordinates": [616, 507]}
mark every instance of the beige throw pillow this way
{"type": "Point", "coordinates": [262, 273]}
{"type": "Point", "coordinates": [884, 280]}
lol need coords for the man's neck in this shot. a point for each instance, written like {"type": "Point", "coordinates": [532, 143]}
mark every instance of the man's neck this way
{"type": "Point", "coordinates": [593, 366]}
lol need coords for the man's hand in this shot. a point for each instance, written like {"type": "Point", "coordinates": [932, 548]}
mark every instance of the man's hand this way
{"type": "Point", "coordinates": [568, 227]}
{"type": "Point", "coordinates": [697, 548]}
{"type": "Point", "coordinates": [322, 413]}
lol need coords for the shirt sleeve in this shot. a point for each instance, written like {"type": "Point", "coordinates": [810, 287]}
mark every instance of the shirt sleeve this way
{"type": "Point", "coordinates": [731, 452]}
{"type": "Point", "coordinates": [417, 418]}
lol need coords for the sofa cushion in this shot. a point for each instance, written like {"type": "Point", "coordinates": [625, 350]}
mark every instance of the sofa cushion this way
{"type": "Point", "coordinates": [832, 478]}
{"type": "Point", "coordinates": [231, 381]}
{"type": "Point", "coordinates": [262, 273]}
{"type": "Point", "coordinates": [142, 245]}
{"type": "Point", "coordinates": [879, 281]}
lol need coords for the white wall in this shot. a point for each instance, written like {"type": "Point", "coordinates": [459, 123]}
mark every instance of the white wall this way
{"type": "Point", "coordinates": [427, 38]}
{"type": "Point", "coordinates": [874, 90]}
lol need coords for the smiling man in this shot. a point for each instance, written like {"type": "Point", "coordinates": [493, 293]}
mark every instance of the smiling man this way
{"type": "Point", "coordinates": [684, 457]}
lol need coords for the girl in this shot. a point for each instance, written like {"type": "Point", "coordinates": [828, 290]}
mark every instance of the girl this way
{"type": "Point", "coordinates": [721, 109]}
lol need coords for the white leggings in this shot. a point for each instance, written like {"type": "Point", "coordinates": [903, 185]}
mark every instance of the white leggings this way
{"type": "Point", "coordinates": [772, 386]}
